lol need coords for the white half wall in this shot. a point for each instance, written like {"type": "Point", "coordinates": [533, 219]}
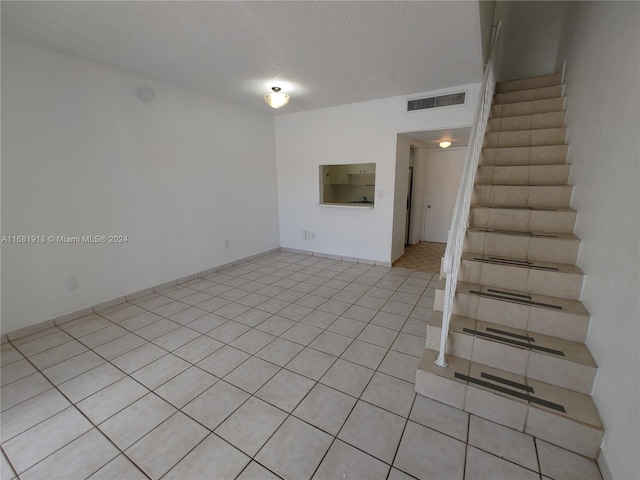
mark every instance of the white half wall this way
{"type": "Point", "coordinates": [601, 45]}
{"type": "Point", "coordinates": [356, 133]}
{"type": "Point", "coordinates": [83, 155]}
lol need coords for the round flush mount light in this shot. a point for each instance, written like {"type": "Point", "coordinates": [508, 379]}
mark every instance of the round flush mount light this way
{"type": "Point", "coordinates": [276, 98]}
{"type": "Point", "coordinates": [145, 94]}
{"type": "Point", "coordinates": [445, 144]}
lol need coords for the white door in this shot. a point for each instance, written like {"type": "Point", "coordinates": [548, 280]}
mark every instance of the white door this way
{"type": "Point", "coordinates": [444, 169]}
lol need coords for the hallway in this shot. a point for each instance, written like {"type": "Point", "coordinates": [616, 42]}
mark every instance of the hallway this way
{"type": "Point", "coordinates": [424, 256]}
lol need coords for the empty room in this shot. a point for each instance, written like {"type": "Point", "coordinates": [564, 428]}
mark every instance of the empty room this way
{"type": "Point", "coordinates": [330, 240]}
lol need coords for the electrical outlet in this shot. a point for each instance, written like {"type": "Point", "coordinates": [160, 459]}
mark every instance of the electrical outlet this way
{"type": "Point", "coordinates": [227, 244]}
{"type": "Point", "coordinates": [313, 235]}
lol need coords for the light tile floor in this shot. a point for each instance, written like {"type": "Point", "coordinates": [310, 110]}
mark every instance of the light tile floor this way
{"type": "Point", "coordinates": [425, 256]}
{"type": "Point", "coordinates": [287, 366]}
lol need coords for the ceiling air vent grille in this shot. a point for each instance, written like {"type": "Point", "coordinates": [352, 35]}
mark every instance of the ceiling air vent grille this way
{"type": "Point", "coordinates": [435, 102]}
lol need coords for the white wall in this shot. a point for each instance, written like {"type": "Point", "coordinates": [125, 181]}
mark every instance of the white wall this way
{"type": "Point", "coordinates": [486, 8]}
{"type": "Point", "coordinates": [403, 154]}
{"type": "Point", "coordinates": [81, 154]}
{"type": "Point", "coordinates": [602, 48]}
{"type": "Point", "coordinates": [529, 37]}
{"type": "Point", "coordinates": [354, 133]}
{"type": "Point", "coordinates": [418, 195]}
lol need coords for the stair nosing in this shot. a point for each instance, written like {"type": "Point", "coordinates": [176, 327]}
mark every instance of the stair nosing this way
{"type": "Point", "coordinates": [546, 235]}
{"type": "Point", "coordinates": [537, 209]}
{"type": "Point", "coordinates": [528, 380]}
{"type": "Point", "coordinates": [494, 102]}
{"type": "Point", "coordinates": [525, 332]}
{"type": "Point", "coordinates": [500, 84]}
{"type": "Point", "coordinates": [513, 292]}
{"type": "Point", "coordinates": [546, 185]}
{"type": "Point", "coordinates": [526, 130]}
{"type": "Point", "coordinates": [550, 264]}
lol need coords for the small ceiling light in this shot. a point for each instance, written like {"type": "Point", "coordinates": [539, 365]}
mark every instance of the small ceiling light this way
{"type": "Point", "coordinates": [276, 99]}
{"type": "Point", "coordinates": [445, 144]}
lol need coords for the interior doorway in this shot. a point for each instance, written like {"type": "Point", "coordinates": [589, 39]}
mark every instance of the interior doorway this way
{"type": "Point", "coordinates": [443, 178]}
{"type": "Point", "coordinates": [407, 238]}
{"type": "Point", "coordinates": [410, 185]}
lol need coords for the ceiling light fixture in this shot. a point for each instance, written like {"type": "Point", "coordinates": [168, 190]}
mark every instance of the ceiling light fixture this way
{"type": "Point", "coordinates": [445, 144]}
{"type": "Point", "coordinates": [276, 98]}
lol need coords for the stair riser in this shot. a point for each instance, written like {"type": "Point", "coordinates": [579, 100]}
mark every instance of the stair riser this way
{"type": "Point", "coordinates": [525, 138]}
{"type": "Point", "coordinates": [576, 437]}
{"type": "Point", "coordinates": [551, 175]}
{"type": "Point", "coordinates": [526, 122]}
{"type": "Point", "coordinates": [528, 95]}
{"type": "Point", "coordinates": [520, 361]}
{"type": "Point", "coordinates": [521, 156]}
{"type": "Point", "coordinates": [523, 220]}
{"type": "Point", "coordinates": [516, 413]}
{"type": "Point", "coordinates": [541, 81]}
{"type": "Point", "coordinates": [553, 250]}
{"type": "Point", "coordinates": [541, 282]}
{"type": "Point", "coordinates": [558, 196]}
{"type": "Point", "coordinates": [527, 108]}
{"type": "Point", "coordinates": [562, 324]}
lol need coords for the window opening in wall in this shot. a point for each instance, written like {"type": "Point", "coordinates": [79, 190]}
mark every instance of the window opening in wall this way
{"type": "Point", "coordinates": [348, 184]}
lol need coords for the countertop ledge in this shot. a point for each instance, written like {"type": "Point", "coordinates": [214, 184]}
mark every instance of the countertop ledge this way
{"type": "Point", "coordinates": [369, 206]}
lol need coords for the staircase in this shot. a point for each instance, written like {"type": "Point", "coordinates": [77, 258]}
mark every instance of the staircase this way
{"type": "Point", "coordinates": [515, 348]}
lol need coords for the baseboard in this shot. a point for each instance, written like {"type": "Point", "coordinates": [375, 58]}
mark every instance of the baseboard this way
{"type": "Point", "coordinates": [68, 317]}
{"type": "Point", "coordinates": [31, 329]}
{"type": "Point", "coordinates": [395, 260]}
{"type": "Point", "coordinates": [337, 257]}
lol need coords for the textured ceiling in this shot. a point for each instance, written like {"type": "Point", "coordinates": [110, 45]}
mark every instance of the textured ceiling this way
{"type": "Point", "coordinates": [322, 53]}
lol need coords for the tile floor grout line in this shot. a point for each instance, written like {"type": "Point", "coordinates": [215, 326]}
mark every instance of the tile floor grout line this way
{"type": "Point", "coordinates": [151, 341]}
{"type": "Point", "coordinates": [335, 437]}
{"type": "Point", "coordinates": [289, 414]}
{"type": "Point", "coordinates": [210, 432]}
{"type": "Point", "coordinates": [76, 408]}
{"type": "Point", "coordinates": [127, 375]}
{"type": "Point", "coordinates": [152, 391]}
{"type": "Point", "coordinates": [13, 467]}
{"type": "Point", "coordinates": [253, 395]}
{"type": "Point", "coordinates": [397, 332]}
{"type": "Point", "coordinates": [358, 399]}
{"type": "Point", "coordinates": [404, 428]}
{"type": "Point", "coordinates": [74, 404]}
{"type": "Point", "coordinates": [466, 443]}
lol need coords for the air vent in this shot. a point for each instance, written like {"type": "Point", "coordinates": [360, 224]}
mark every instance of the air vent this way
{"type": "Point", "coordinates": [435, 102]}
